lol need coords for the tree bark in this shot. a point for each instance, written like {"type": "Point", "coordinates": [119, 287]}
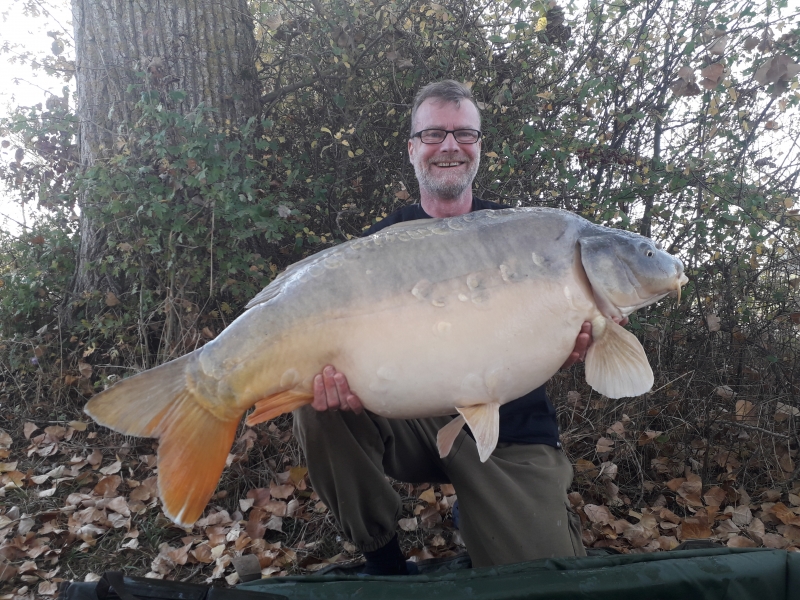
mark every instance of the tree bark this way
{"type": "Point", "coordinates": [204, 48]}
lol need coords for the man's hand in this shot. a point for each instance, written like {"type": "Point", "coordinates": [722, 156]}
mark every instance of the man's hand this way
{"type": "Point", "coordinates": [584, 340]}
{"type": "Point", "coordinates": [582, 343]}
{"type": "Point", "coordinates": [332, 392]}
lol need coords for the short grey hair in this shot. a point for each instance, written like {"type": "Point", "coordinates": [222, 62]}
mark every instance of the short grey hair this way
{"type": "Point", "coordinates": [447, 90]}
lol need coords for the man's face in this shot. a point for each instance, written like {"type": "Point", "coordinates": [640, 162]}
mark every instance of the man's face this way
{"type": "Point", "coordinates": [447, 169]}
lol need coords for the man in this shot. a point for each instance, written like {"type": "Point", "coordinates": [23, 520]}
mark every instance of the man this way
{"type": "Point", "coordinates": [514, 506]}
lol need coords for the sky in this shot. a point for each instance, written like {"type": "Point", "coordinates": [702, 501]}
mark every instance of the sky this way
{"type": "Point", "coordinates": [19, 84]}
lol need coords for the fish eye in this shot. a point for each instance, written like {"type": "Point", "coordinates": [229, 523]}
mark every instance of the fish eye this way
{"type": "Point", "coordinates": [649, 253]}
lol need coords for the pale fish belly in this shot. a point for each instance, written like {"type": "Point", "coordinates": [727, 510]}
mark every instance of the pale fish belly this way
{"type": "Point", "coordinates": [425, 358]}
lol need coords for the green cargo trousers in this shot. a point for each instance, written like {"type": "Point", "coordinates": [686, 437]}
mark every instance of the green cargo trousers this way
{"type": "Point", "coordinates": [512, 508]}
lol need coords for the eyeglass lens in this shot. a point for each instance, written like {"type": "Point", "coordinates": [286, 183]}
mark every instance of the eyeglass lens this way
{"type": "Point", "coordinates": [437, 136]}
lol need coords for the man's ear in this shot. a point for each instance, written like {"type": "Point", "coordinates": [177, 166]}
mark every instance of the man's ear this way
{"type": "Point", "coordinates": [411, 149]}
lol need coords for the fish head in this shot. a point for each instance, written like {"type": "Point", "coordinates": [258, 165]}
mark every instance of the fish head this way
{"type": "Point", "coordinates": [628, 271]}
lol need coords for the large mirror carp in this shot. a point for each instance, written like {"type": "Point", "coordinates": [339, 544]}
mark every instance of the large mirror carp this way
{"type": "Point", "coordinates": [426, 318]}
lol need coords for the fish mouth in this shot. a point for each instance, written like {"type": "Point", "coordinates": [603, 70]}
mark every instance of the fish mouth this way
{"type": "Point", "coordinates": [682, 280]}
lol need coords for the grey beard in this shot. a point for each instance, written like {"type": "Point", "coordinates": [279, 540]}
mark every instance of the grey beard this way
{"type": "Point", "coordinates": [446, 188]}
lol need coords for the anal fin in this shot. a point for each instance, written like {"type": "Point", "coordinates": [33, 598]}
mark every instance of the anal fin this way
{"type": "Point", "coordinates": [448, 434]}
{"type": "Point", "coordinates": [277, 404]}
{"type": "Point", "coordinates": [484, 422]}
{"type": "Point", "coordinates": [616, 365]}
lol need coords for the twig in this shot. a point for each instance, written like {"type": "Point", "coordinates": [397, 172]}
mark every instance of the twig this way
{"type": "Point", "coordinates": [759, 429]}
{"type": "Point", "coordinates": [671, 382]}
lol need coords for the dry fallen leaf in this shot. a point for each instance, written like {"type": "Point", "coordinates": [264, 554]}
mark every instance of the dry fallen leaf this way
{"type": "Point", "coordinates": [28, 429]}
{"type": "Point", "coordinates": [746, 411]}
{"type": "Point", "coordinates": [598, 514]}
{"type": "Point", "coordinates": [604, 444]}
{"type": "Point", "coordinates": [785, 514]}
{"type": "Point", "coordinates": [281, 491]}
{"type": "Point", "coordinates": [114, 467]}
{"type": "Point", "coordinates": [739, 541]}
{"type": "Point", "coordinates": [428, 496]}
{"type": "Point", "coordinates": [694, 528]}
{"type": "Point", "coordinates": [772, 540]}
{"type": "Point", "coordinates": [723, 391]}
{"type": "Point", "coordinates": [715, 496]}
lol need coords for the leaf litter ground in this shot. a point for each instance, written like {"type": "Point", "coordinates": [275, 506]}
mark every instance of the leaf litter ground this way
{"type": "Point", "coordinates": [78, 499]}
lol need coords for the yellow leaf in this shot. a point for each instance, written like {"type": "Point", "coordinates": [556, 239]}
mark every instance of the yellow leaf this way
{"type": "Point", "coordinates": [350, 154]}
{"type": "Point", "coordinates": [428, 496]}
{"type": "Point", "coordinates": [541, 24]}
{"type": "Point", "coordinates": [635, 60]}
{"type": "Point", "coordinates": [325, 129]}
{"type": "Point", "coordinates": [345, 143]}
{"type": "Point", "coordinates": [491, 154]}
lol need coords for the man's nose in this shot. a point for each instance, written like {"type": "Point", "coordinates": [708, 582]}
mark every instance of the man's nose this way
{"type": "Point", "coordinates": [449, 142]}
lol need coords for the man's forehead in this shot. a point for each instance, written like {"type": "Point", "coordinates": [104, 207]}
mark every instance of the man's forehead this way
{"type": "Point", "coordinates": [438, 108]}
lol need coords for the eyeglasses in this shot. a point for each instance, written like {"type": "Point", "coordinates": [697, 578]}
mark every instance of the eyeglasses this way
{"type": "Point", "coordinates": [437, 136]}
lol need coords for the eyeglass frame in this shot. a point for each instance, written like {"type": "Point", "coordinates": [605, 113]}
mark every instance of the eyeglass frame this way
{"type": "Point", "coordinates": [446, 131]}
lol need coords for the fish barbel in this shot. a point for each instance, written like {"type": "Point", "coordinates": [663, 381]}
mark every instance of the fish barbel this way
{"type": "Point", "coordinates": [426, 318]}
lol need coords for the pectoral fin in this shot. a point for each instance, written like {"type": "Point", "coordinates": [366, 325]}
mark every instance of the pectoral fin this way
{"type": "Point", "coordinates": [448, 434]}
{"type": "Point", "coordinates": [616, 365]}
{"type": "Point", "coordinates": [484, 421]}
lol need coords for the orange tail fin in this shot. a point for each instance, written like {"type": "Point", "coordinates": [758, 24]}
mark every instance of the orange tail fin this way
{"type": "Point", "coordinates": [277, 404]}
{"type": "Point", "coordinates": [194, 443]}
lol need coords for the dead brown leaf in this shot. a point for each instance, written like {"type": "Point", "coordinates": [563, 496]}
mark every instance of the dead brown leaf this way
{"type": "Point", "coordinates": [667, 542]}
{"type": "Point", "coordinates": [114, 467]}
{"type": "Point", "coordinates": [260, 496]}
{"type": "Point", "coordinates": [604, 444]}
{"type": "Point", "coordinates": [712, 77]}
{"type": "Point", "coordinates": [741, 515]}
{"type": "Point", "coordinates": [773, 540]}
{"type": "Point", "coordinates": [587, 467]}
{"type": "Point", "coordinates": [790, 532]}
{"type": "Point", "coordinates": [648, 436]}
{"type": "Point", "coordinates": [694, 528]}
{"type": "Point", "coordinates": [739, 541]}
{"type": "Point", "coordinates": [785, 514]}
{"type": "Point", "coordinates": [28, 429]}
{"type": "Point", "coordinates": [281, 491]}
{"type": "Point", "coordinates": [85, 369]}
{"type": "Point", "coordinates": [746, 411]}
{"type": "Point", "coordinates": [715, 496]}
{"type": "Point", "coordinates": [428, 496]}
{"type": "Point", "coordinates": [107, 486]}
{"type": "Point", "coordinates": [598, 514]}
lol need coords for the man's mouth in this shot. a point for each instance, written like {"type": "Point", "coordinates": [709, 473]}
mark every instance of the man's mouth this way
{"type": "Point", "coordinates": [446, 165]}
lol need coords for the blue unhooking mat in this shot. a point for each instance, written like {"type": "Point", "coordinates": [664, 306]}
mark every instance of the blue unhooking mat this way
{"type": "Point", "coordinates": [715, 574]}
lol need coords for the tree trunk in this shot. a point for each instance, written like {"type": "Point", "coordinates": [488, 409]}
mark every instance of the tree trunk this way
{"type": "Point", "coordinates": [204, 48]}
